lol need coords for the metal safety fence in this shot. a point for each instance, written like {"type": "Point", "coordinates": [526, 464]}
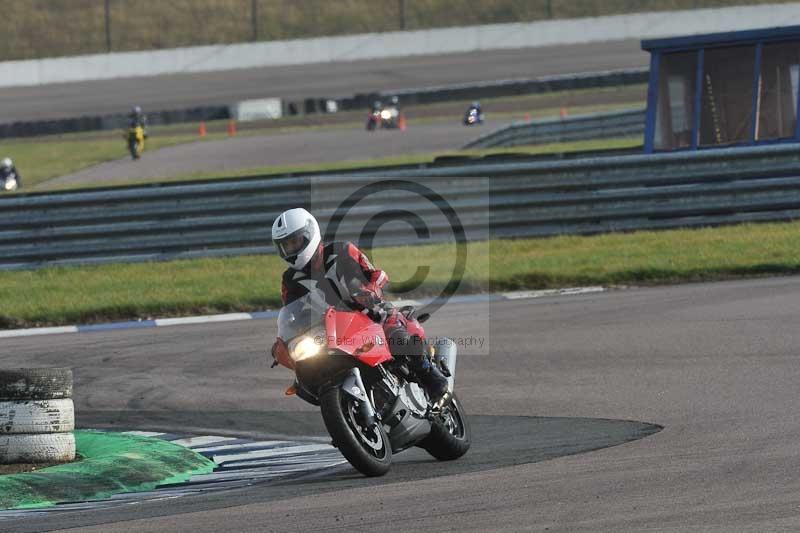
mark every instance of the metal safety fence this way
{"type": "Point", "coordinates": [577, 128]}
{"type": "Point", "coordinates": [484, 200]}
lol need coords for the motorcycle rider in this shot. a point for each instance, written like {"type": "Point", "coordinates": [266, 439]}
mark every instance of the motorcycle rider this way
{"type": "Point", "coordinates": [7, 169]}
{"type": "Point", "coordinates": [346, 276]}
{"type": "Point", "coordinates": [137, 119]}
{"type": "Point", "coordinates": [476, 106]}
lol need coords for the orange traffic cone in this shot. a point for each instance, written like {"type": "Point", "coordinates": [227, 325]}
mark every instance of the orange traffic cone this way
{"type": "Point", "coordinates": [563, 112]}
{"type": "Point", "coordinates": [231, 128]}
{"type": "Point", "coordinates": [202, 131]}
{"type": "Point", "coordinates": [401, 123]}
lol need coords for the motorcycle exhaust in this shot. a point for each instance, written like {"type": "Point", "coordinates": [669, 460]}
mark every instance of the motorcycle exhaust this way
{"type": "Point", "coordinates": [446, 356]}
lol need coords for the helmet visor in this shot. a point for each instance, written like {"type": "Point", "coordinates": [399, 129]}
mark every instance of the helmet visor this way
{"type": "Point", "coordinates": [294, 243]}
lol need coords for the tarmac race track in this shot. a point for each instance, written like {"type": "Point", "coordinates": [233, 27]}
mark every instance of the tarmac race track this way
{"type": "Point", "coordinates": [715, 364]}
{"type": "Point", "coordinates": [280, 149]}
{"type": "Point", "coordinates": [329, 80]}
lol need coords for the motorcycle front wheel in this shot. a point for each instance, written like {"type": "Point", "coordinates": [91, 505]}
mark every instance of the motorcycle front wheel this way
{"type": "Point", "coordinates": [365, 447]}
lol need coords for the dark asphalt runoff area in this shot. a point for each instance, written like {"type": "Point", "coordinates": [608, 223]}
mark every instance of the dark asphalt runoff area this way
{"type": "Point", "coordinates": [324, 80]}
{"type": "Point", "coordinates": [715, 364]}
{"type": "Point", "coordinates": [337, 144]}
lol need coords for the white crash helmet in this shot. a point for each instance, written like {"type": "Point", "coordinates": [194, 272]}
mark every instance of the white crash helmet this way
{"type": "Point", "coordinates": [6, 163]}
{"type": "Point", "coordinates": [296, 236]}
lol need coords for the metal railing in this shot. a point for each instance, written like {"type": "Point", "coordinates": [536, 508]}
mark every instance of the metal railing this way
{"type": "Point", "coordinates": [519, 199]}
{"type": "Point", "coordinates": [577, 128]}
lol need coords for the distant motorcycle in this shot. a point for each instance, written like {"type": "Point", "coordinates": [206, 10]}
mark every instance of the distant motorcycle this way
{"type": "Point", "coordinates": [10, 182]}
{"type": "Point", "coordinates": [385, 118]}
{"type": "Point", "coordinates": [473, 117]}
{"type": "Point", "coordinates": [136, 141]}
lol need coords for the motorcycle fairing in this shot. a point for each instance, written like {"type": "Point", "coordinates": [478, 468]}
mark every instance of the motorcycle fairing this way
{"type": "Point", "coordinates": [405, 422]}
{"type": "Point", "coordinates": [357, 335]}
{"type": "Point", "coordinates": [415, 328]}
{"type": "Point", "coordinates": [282, 354]}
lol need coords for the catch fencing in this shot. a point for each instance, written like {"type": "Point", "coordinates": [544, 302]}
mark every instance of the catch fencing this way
{"type": "Point", "coordinates": [490, 200]}
{"type": "Point", "coordinates": [578, 128]}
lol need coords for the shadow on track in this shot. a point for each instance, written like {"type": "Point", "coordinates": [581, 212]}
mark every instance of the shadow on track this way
{"type": "Point", "coordinates": [498, 441]}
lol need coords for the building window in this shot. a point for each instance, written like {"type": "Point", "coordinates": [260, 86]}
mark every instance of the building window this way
{"type": "Point", "coordinates": [726, 115]}
{"type": "Point", "coordinates": [675, 108]}
{"type": "Point", "coordinates": [776, 106]}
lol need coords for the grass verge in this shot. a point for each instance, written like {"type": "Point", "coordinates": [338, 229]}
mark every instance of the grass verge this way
{"type": "Point", "coordinates": [113, 292]}
{"type": "Point", "coordinates": [41, 160]}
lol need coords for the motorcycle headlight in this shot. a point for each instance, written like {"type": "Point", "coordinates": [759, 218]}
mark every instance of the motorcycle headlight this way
{"type": "Point", "coordinates": [305, 347]}
{"type": "Point", "coordinates": [386, 114]}
{"type": "Point", "coordinates": [9, 185]}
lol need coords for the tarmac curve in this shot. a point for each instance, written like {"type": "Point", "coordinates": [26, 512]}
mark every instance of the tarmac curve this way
{"type": "Point", "coordinates": [713, 364]}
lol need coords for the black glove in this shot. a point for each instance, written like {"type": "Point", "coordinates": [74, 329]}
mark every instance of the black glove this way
{"type": "Point", "coordinates": [272, 352]}
{"type": "Point", "coordinates": [364, 298]}
{"type": "Point", "coordinates": [377, 314]}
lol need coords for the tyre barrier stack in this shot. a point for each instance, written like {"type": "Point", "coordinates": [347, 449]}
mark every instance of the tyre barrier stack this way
{"type": "Point", "coordinates": [37, 416]}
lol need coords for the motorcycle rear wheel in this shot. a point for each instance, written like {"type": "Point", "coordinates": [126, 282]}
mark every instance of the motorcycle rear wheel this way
{"type": "Point", "coordinates": [450, 435]}
{"type": "Point", "coordinates": [366, 448]}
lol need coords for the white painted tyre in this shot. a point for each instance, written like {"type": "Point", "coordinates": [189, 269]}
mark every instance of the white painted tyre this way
{"type": "Point", "coordinates": [36, 416]}
{"type": "Point", "coordinates": [37, 448]}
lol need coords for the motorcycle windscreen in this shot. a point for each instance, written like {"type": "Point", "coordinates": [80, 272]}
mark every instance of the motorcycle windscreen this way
{"type": "Point", "coordinates": [357, 335]}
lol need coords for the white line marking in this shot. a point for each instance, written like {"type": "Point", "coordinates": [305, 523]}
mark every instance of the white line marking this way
{"type": "Point", "coordinates": [306, 459]}
{"type": "Point", "coordinates": [522, 295]}
{"type": "Point", "coordinates": [38, 331]}
{"type": "Point", "coordinates": [275, 464]}
{"type": "Point", "coordinates": [144, 433]}
{"type": "Point", "coordinates": [276, 452]}
{"type": "Point", "coordinates": [235, 475]}
{"type": "Point", "coordinates": [231, 317]}
{"type": "Point", "coordinates": [265, 443]}
{"type": "Point", "coordinates": [192, 442]}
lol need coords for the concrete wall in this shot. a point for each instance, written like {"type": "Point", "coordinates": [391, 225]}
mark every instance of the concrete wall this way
{"type": "Point", "coordinates": [395, 44]}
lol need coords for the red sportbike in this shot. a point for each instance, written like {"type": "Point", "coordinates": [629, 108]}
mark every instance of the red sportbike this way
{"type": "Point", "coordinates": [371, 405]}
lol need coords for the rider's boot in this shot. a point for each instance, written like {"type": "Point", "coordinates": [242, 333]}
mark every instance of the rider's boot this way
{"type": "Point", "coordinates": [434, 382]}
{"type": "Point", "coordinates": [412, 349]}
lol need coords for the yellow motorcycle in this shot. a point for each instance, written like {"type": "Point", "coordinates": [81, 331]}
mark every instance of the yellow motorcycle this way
{"type": "Point", "coordinates": [136, 138]}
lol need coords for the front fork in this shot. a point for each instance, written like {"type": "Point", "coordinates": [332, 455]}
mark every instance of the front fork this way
{"type": "Point", "coordinates": [353, 385]}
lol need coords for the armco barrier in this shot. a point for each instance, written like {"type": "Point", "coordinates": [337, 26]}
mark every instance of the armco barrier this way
{"type": "Point", "coordinates": [577, 128]}
{"type": "Point", "coordinates": [109, 122]}
{"type": "Point", "coordinates": [529, 199]}
{"type": "Point", "coordinates": [543, 84]}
